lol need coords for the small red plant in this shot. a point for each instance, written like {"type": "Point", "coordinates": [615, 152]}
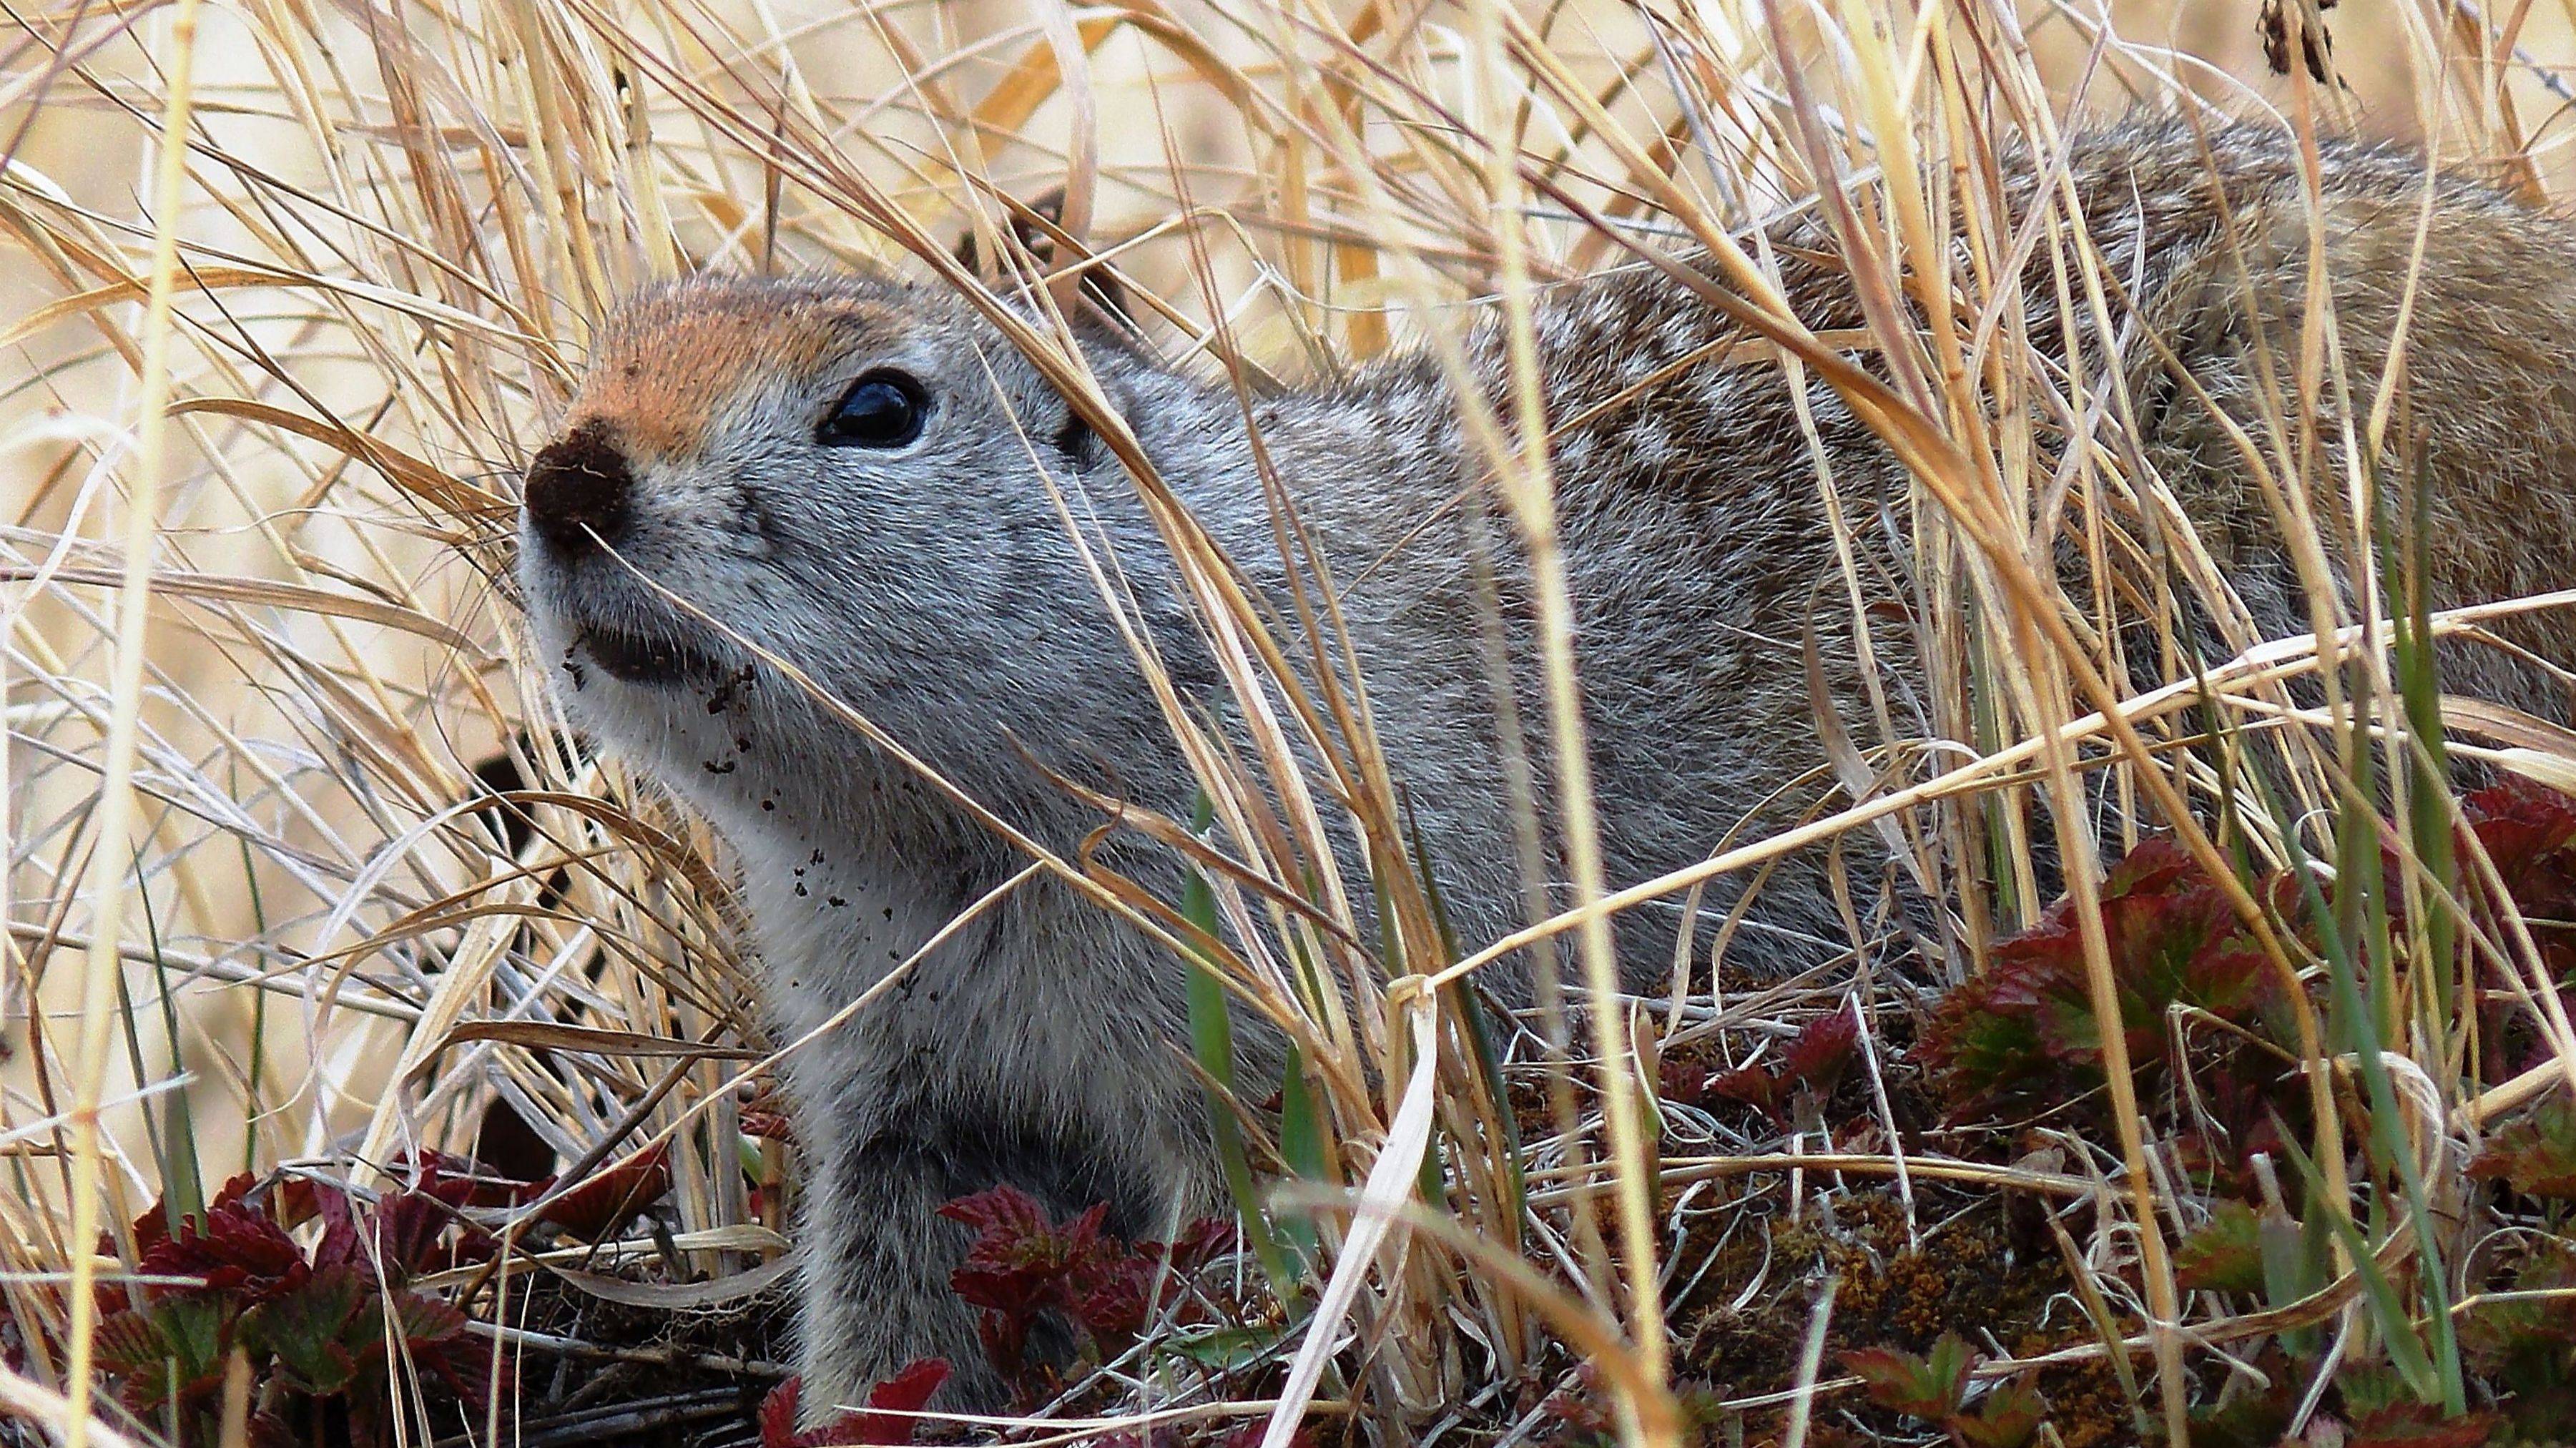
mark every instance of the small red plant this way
{"type": "Point", "coordinates": [887, 1420]}
{"type": "Point", "coordinates": [2523, 1340]}
{"type": "Point", "coordinates": [332, 1333]}
{"type": "Point", "coordinates": [329, 1337]}
{"type": "Point", "coordinates": [1934, 1388]}
{"type": "Point", "coordinates": [1808, 1070]}
{"type": "Point", "coordinates": [2535, 1153]}
{"type": "Point", "coordinates": [2529, 833]}
{"type": "Point", "coordinates": [1024, 1266]}
{"type": "Point", "coordinates": [2023, 1035]}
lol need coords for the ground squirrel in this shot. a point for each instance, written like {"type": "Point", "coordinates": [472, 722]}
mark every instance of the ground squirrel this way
{"type": "Point", "coordinates": [848, 472]}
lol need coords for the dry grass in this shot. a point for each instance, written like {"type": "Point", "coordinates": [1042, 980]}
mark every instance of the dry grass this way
{"type": "Point", "coordinates": [264, 916]}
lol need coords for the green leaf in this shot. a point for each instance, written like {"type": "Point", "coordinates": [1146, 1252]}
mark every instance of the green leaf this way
{"type": "Point", "coordinates": [2224, 1254]}
{"type": "Point", "coordinates": [195, 1330]}
{"type": "Point", "coordinates": [2441, 1381]}
{"type": "Point", "coordinates": [1302, 1145]}
{"type": "Point", "coordinates": [183, 1193]}
{"type": "Point", "coordinates": [2007, 1417]}
{"type": "Point", "coordinates": [2369, 1388]}
{"type": "Point", "coordinates": [308, 1331]}
{"type": "Point", "coordinates": [2297, 1259]}
{"type": "Point", "coordinates": [1222, 1349]}
{"type": "Point", "coordinates": [1919, 1387]}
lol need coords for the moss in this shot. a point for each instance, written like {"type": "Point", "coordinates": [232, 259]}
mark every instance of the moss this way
{"type": "Point", "coordinates": [1981, 1272]}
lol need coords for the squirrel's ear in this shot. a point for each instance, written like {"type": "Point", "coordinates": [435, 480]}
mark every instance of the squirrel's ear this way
{"type": "Point", "coordinates": [1102, 317]}
{"type": "Point", "coordinates": [1075, 441]}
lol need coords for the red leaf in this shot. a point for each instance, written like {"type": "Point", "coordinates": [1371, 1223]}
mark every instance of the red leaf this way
{"type": "Point", "coordinates": [2529, 831]}
{"type": "Point", "coordinates": [908, 1391]}
{"type": "Point", "coordinates": [612, 1197]}
{"type": "Point", "coordinates": [2413, 1425]}
{"type": "Point", "coordinates": [128, 1343]}
{"type": "Point", "coordinates": [1679, 1080]}
{"type": "Point", "coordinates": [1021, 1261]}
{"type": "Point", "coordinates": [767, 1125]}
{"type": "Point", "coordinates": [777, 1416]}
{"type": "Point", "coordinates": [1817, 1059]}
{"type": "Point", "coordinates": [235, 1190]}
{"type": "Point", "coordinates": [2536, 1152]}
{"type": "Point", "coordinates": [1751, 1085]}
{"type": "Point", "coordinates": [1116, 1305]}
{"type": "Point", "coordinates": [886, 1420]}
{"type": "Point", "coordinates": [228, 1249]}
{"type": "Point", "coordinates": [296, 1200]}
{"type": "Point", "coordinates": [2025, 1032]}
{"type": "Point", "coordinates": [2528, 802]}
{"type": "Point", "coordinates": [1004, 1213]}
{"type": "Point", "coordinates": [1203, 1241]}
{"type": "Point", "coordinates": [1022, 1264]}
{"type": "Point", "coordinates": [2007, 1417]}
{"type": "Point", "coordinates": [463, 1182]}
{"type": "Point", "coordinates": [2156, 865]}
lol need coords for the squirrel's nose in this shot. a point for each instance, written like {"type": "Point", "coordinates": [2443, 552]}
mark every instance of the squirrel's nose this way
{"type": "Point", "coordinates": [576, 491]}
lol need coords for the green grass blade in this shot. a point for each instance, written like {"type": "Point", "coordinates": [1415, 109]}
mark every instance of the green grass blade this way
{"type": "Point", "coordinates": [1302, 1145]}
{"type": "Point", "coordinates": [1212, 1042]}
{"type": "Point", "coordinates": [2396, 1328]}
{"type": "Point", "coordinates": [181, 1197]}
{"type": "Point", "coordinates": [2389, 1150]}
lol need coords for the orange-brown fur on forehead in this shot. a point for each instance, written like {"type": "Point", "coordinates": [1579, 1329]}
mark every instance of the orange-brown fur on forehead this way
{"type": "Point", "coordinates": [668, 366]}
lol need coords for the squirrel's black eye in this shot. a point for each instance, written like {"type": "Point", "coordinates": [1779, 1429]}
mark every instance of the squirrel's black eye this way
{"type": "Point", "coordinates": [882, 409]}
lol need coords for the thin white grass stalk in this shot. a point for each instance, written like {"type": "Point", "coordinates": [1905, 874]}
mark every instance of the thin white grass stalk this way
{"type": "Point", "coordinates": [1811, 1356]}
{"type": "Point", "coordinates": [235, 1424]}
{"type": "Point", "coordinates": [110, 858]}
{"type": "Point", "coordinates": [461, 985]}
{"type": "Point", "coordinates": [1389, 1186]}
{"type": "Point", "coordinates": [1528, 483]}
{"type": "Point", "coordinates": [1590, 1334]}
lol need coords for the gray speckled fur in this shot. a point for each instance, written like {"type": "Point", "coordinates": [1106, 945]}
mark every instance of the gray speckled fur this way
{"type": "Point", "coordinates": [936, 590]}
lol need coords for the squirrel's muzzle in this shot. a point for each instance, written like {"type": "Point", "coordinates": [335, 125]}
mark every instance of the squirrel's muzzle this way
{"type": "Point", "coordinates": [577, 490]}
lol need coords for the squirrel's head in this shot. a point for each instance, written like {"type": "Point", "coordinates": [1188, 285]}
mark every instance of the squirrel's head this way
{"type": "Point", "coordinates": [853, 475]}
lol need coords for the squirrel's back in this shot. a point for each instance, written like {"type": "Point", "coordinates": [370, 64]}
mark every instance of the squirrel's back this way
{"type": "Point", "coordinates": [1691, 483]}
